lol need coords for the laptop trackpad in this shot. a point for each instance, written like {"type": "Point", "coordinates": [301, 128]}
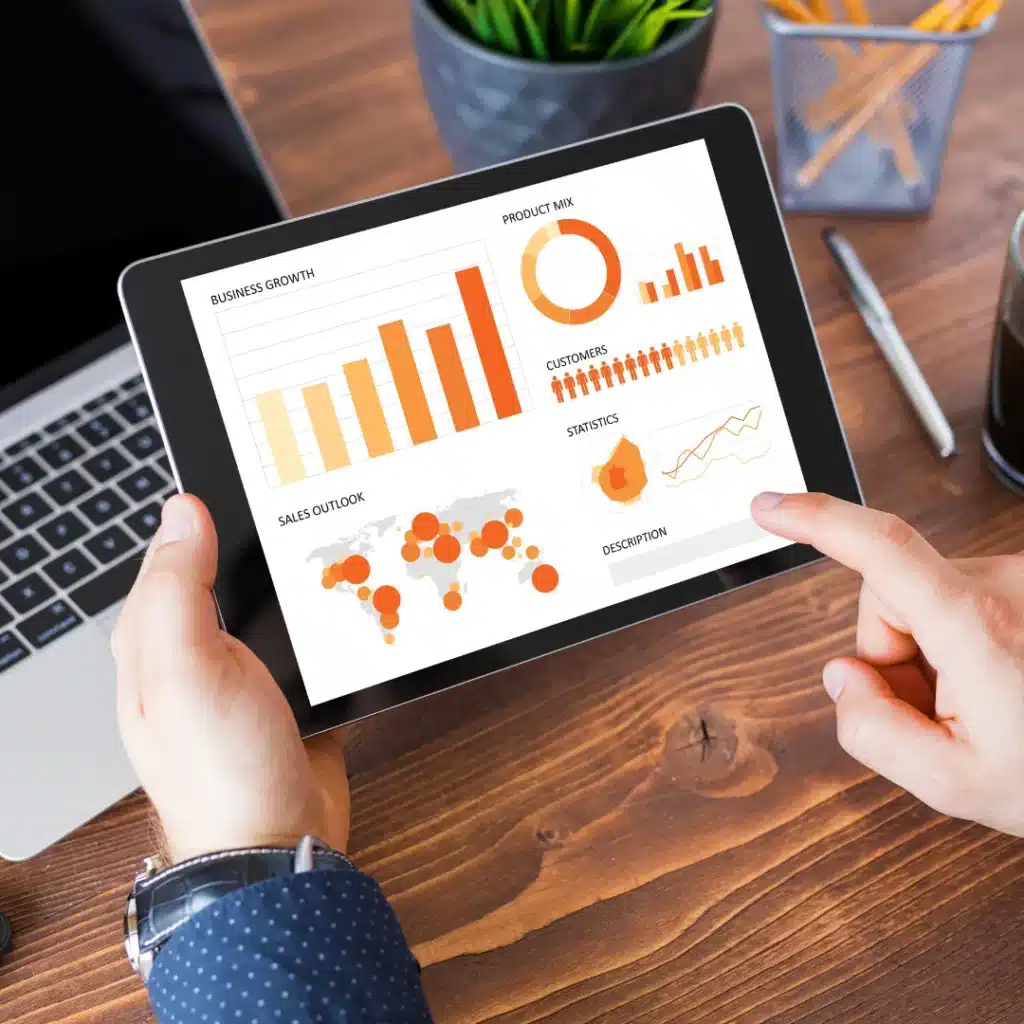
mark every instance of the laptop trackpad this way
{"type": "Point", "coordinates": [59, 746]}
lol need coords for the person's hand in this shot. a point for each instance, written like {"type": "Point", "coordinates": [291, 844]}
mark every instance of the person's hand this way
{"type": "Point", "coordinates": [210, 734]}
{"type": "Point", "coordinates": [934, 699]}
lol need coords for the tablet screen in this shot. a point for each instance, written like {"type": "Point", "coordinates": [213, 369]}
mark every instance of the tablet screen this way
{"type": "Point", "coordinates": [472, 424]}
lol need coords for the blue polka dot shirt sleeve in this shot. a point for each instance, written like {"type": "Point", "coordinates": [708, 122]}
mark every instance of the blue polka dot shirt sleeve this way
{"type": "Point", "coordinates": [323, 947]}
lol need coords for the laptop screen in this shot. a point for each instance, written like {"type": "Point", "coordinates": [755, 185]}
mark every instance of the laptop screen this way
{"type": "Point", "coordinates": [118, 144]}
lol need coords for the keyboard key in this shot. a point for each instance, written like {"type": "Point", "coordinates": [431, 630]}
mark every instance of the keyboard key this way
{"type": "Point", "coordinates": [61, 423]}
{"type": "Point", "coordinates": [144, 442]}
{"type": "Point", "coordinates": [101, 506]}
{"type": "Point", "coordinates": [106, 464]}
{"type": "Point", "coordinates": [49, 624]}
{"type": "Point", "coordinates": [165, 464]}
{"type": "Point", "coordinates": [142, 484]}
{"type": "Point", "coordinates": [111, 543]}
{"type": "Point", "coordinates": [21, 474]}
{"type": "Point", "coordinates": [100, 400]}
{"type": "Point", "coordinates": [99, 429]}
{"type": "Point", "coordinates": [135, 409]}
{"type": "Point", "coordinates": [67, 487]}
{"type": "Point", "coordinates": [144, 521]}
{"type": "Point", "coordinates": [70, 568]}
{"type": "Point", "coordinates": [102, 591]}
{"type": "Point", "coordinates": [60, 452]}
{"type": "Point", "coordinates": [5, 532]}
{"type": "Point", "coordinates": [62, 530]}
{"type": "Point", "coordinates": [22, 444]}
{"type": "Point", "coordinates": [25, 552]}
{"type": "Point", "coordinates": [27, 509]}
{"type": "Point", "coordinates": [132, 383]}
{"type": "Point", "coordinates": [12, 650]}
{"type": "Point", "coordinates": [27, 593]}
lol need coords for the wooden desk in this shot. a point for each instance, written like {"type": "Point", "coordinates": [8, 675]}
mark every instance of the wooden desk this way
{"type": "Point", "coordinates": [557, 841]}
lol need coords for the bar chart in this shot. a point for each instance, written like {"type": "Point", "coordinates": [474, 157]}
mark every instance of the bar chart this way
{"type": "Point", "coordinates": [363, 365]}
{"type": "Point", "coordinates": [691, 274]}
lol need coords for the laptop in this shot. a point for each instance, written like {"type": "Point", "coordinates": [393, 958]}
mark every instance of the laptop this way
{"type": "Point", "coordinates": [120, 141]}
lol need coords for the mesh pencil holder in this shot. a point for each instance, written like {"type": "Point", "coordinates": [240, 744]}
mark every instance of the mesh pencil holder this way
{"type": "Point", "coordinates": [828, 78]}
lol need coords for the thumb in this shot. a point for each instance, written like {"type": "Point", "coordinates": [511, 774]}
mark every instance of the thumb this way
{"type": "Point", "coordinates": [891, 736]}
{"type": "Point", "coordinates": [171, 603]}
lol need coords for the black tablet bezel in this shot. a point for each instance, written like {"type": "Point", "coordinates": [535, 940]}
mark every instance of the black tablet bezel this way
{"type": "Point", "coordinates": [175, 370]}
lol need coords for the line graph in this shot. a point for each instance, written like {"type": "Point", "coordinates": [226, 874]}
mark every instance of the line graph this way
{"type": "Point", "coordinates": [738, 437]}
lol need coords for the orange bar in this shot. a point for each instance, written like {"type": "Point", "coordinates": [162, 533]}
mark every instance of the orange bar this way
{"type": "Point", "coordinates": [329, 439]}
{"type": "Point", "coordinates": [407, 381]}
{"type": "Point", "coordinates": [453, 377]}
{"type": "Point", "coordinates": [652, 292]}
{"type": "Point", "coordinates": [671, 286]}
{"type": "Point", "coordinates": [712, 268]}
{"type": "Point", "coordinates": [368, 408]}
{"type": "Point", "coordinates": [688, 265]}
{"type": "Point", "coordinates": [283, 446]}
{"type": "Point", "coordinates": [488, 342]}
{"type": "Point", "coordinates": [645, 297]}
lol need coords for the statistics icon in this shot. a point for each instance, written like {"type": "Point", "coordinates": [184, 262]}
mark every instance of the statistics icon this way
{"type": "Point", "coordinates": [623, 476]}
{"type": "Point", "coordinates": [613, 271]}
{"type": "Point", "coordinates": [736, 435]}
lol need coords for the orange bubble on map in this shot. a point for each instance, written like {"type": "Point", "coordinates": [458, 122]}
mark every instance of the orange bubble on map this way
{"type": "Point", "coordinates": [386, 600]}
{"type": "Point", "coordinates": [533, 551]}
{"type": "Point", "coordinates": [363, 593]}
{"type": "Point", "coordinates": [447, 548]}
{"type": "Point", "coordinates": [514, 517]}
{"type": "Point", "coordinates": [456, 526]}
{"type": "Point", "coordinates": [443, 529]}
{"type": "Point", "coordinates": [425, 525]}
{"type": "Point", "coordinates": [452, 600]}
{"type": "Point", "coordinates": [390, 638]}
{"type": "Point", "coordinates": [508, 552]}
{"type": "Point", "coordinates": [517, 542]}
{"type": "Point", "coordinates": [478, 546]}
{"type": "Point", "coordinates": [410, 552]}
{"type": "Point", "coordinates": [355, 569]}
{"type": "Point", "coordinates": [495, 534]}
{"type": "Point", "coordinates": [623, 477]}
{"type": "Point", "coordinates": [327, 578]}
{"type": "Point", "coordinates": [454, 586]}
{"type": "Point", "coordinates": [410, 537]}
{"type": "Point", "coordinates": [389, 621]}
{"type": "Point", "coordinates": [545, 578]}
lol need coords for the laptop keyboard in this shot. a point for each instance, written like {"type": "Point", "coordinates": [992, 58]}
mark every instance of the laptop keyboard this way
{"type": "Point", "coordinates": [79, 501]}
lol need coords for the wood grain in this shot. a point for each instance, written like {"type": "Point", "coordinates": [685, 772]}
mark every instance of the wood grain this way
{"type": "Point", "coordinates": [561, 841]}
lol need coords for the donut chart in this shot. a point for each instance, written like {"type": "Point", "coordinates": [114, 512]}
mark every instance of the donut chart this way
{"type": "Point", "coordinates": [613, 271]}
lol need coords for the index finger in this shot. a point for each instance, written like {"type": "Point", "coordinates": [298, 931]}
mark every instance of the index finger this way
{"type": "Point", "coordinates": [913, 580]}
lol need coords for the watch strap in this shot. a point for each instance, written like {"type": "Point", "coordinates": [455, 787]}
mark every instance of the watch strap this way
{"type": "Point", "coordinates": [165, 901]}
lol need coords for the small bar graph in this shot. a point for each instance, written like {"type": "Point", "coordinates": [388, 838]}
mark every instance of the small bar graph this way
{"type": "Point", "coordinates": [326, 428]}
{"type": "Point", "coordinates": [692, 280]}
{"type": "Point", "coordinates": [369, 411]}
{"type": "Point", "coordinates": [375, 362]}
{"type": "Point", "coordinates": [281, 437]}
{"type": "Point", "coordinates": [453, 377]}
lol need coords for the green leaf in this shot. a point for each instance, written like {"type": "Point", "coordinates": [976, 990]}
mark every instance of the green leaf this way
{"type": "Point", "coordinates": [484, 31]}
{"type": "Point", "coordinates": [463, 10]}
{"type": "Point", "coordinates": [572, 21]}
{"type": "Point", "coordinates": [623, 39]}
{"type": "Point", "coordinates": [504, 25]}
{"type": "Point", "coordinates": [593, 20]}
{"type": "Point", "coordinates": [532, 30]}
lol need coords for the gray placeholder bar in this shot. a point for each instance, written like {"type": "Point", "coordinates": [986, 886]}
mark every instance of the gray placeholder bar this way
{"type": "Point", "coordinates": [639, 567]}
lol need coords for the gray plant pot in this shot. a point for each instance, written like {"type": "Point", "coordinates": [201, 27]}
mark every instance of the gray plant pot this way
{"type": "Point", "coordinates": [491, 107]}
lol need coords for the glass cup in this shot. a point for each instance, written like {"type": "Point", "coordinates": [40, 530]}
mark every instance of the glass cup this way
{"type": "Point", "coordinates": [1003, 436]}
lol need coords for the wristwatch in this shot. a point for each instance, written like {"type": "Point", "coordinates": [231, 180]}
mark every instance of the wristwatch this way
{"type": "Point", "coordinates": [161, 901]}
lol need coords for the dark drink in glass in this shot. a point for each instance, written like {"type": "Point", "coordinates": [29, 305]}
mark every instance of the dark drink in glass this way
{"type": "Point", "coordinates": [1003, 436]}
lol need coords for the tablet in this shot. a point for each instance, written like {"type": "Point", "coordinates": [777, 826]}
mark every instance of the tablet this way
{"type": "Point", "coordinates": [457, 427]}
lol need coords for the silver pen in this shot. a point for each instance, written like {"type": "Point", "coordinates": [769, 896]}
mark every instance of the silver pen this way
{"type": "Point", "coordinates": [876, 316]}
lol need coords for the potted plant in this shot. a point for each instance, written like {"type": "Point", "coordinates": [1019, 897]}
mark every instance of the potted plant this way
{"type": "Point", "coordinates": [510, 77]}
